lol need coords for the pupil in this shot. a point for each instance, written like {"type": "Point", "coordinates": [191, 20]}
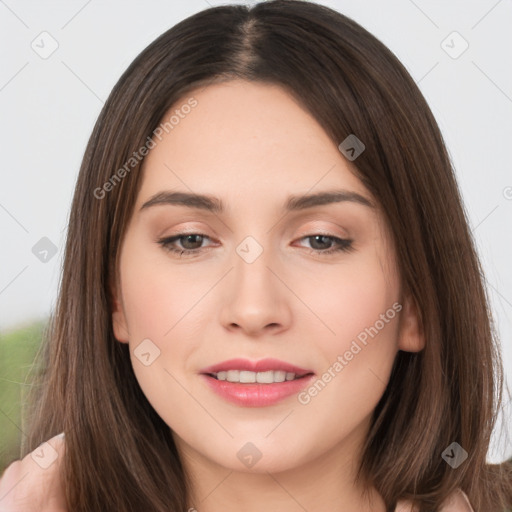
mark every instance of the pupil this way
{"type": "Point", "coordinates": [187, 238]}
{"type": "Point", "coordinates": [320, 237]}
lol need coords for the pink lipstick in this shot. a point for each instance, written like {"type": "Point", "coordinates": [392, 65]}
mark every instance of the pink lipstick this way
{"type": "Point", "coordinates": [256, 383]}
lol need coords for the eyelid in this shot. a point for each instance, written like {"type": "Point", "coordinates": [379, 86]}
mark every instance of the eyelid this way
{"type": "Point", "coordinates": [184, 227]}
{"type": "Point", "coordinates": [337, 232]}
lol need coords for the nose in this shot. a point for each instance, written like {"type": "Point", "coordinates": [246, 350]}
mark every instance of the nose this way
{"type": "Point", "coordinates": [256, 300]}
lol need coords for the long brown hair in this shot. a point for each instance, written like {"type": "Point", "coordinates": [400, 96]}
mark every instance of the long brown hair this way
{"type": "Point", "coordinates": [119, 453]}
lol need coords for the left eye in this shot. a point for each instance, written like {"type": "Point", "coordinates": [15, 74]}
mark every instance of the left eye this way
{"type": "Point", "coordinates": [336, 244]}
{"type": "Point", "coordinates": [191, 243]}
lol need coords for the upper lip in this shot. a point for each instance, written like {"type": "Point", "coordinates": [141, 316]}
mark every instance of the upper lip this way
{"type": "Point", "coordinates": [262, 365]}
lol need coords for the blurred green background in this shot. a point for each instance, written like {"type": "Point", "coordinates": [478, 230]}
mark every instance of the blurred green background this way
{"type": "Point", "coordinates": [18, 347]}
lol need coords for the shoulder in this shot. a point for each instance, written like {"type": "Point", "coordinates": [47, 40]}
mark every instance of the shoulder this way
{"type": "Point", "coordinates": [33, 483]}
{"type": "Point", "coordinates": [457, 502]}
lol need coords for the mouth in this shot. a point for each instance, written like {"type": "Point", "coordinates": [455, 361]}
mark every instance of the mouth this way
{"type": "Point", "coordinates": [256, 384]}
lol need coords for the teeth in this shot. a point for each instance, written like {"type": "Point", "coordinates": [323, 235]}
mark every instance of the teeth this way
{"type": "Point", "coordinates": [233, 376]}
{"type": "Point", "coordinates": [246, 377]}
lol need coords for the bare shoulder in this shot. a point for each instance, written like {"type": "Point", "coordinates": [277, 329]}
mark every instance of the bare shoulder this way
{"type": "Point", "coordinates": [457, 502]}
{"type": "Point", "coordinates": [33, 483]}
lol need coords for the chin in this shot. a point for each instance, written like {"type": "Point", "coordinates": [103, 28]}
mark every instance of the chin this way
{"type": "Point", "coordinates": [259, 457]}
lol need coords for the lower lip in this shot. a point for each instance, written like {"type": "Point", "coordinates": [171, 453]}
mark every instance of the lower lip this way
{"type": "Point", "coordinates": [256, 395]}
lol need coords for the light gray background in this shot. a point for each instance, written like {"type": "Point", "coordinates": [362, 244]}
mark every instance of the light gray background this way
{"type": "Point", "coordinates": [48, 108]}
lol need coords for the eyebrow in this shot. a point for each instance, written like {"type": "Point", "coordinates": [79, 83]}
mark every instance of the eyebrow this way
{"type": "Point", "coordinates": [293, 203]}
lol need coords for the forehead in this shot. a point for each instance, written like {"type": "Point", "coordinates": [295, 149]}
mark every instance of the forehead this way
{"type": "Point", "coordinates": [248, 136]}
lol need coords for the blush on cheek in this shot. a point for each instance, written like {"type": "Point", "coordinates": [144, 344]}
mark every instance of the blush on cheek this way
{"type": "Point", "coordinates": [353, 308]}
{"type": "Point", "coordinates": [363, 313]}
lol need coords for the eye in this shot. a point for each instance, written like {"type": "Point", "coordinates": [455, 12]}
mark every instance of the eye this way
{"type": "Point", "coordinates": [191, 243]}
{"type": "Point", "coordinates": [335, 244]}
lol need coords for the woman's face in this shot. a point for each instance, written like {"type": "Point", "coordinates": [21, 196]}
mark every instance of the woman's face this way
{"type": "Point", "coordinates": [275, 274]}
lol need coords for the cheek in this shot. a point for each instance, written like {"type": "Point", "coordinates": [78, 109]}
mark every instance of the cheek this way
{"type": "Point", "coordinates": [352, 299]}
{"type": "Point", "coordinates": [361, 305]}
{"type": "Point", "coordinates": [158, 305]}
{"type": "Point", "coordinates": [163, 303]}
{"type": "Point", "coordinates": [158, 296]}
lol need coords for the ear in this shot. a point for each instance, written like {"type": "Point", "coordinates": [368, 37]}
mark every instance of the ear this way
{"type": "Point", "coordinates": [410, 337]}
{"type": "Point", "coordinates": [119, 324]}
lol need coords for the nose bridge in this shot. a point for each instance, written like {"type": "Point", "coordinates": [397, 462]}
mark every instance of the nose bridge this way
{"type": "Point", "coordinates": [255, 298]}
{"type": "Point", "coordinates": [251, 263]}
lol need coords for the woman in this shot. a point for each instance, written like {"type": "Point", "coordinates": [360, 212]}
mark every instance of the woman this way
{"type": "Point", "coordinates": [270, 296]}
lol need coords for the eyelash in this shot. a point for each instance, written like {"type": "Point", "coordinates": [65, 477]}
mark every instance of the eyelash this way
{"type": "Point", "coordinates": [342, 244]}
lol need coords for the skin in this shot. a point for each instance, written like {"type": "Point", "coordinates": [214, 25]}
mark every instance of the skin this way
{"type": "Point", "coordinates": [252, 145]}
